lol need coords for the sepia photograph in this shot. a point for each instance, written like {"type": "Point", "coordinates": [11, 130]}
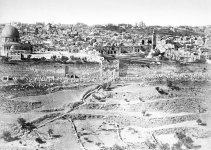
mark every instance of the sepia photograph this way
{"type": "Point", "coordinates": [105, 74]}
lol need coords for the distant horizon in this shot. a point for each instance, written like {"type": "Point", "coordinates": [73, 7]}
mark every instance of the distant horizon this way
{"type": "Point", "coordinates": [101, 12]}
{"type": "Point", "coordinates": [100, 24]}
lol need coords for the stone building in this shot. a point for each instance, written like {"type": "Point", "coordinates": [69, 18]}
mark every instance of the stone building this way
{"type": "Point", "coordinates": [208, 43]}
{"type": "Point", "coordinates": [108, 50]}
{"type": "Point", "coordinates": [10, 45]}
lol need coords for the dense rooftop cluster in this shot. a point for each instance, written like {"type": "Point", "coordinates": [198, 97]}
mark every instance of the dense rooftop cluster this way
{"type": "Point", "coordinates": [174, 42]}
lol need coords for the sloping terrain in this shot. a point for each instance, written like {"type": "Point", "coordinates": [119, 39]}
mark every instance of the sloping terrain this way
{"type": "Point", "coordinates": [134, 115]}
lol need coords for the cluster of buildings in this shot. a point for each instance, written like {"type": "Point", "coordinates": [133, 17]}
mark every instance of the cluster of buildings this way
{"type": "Point", "coordinates": [79, 38]}
{"type": "Point", "coordinates": [39, 38]}
{"type": "Point", "coordinates": [82, 41]}
{"type": "Point", "coordinates": [186, 49]}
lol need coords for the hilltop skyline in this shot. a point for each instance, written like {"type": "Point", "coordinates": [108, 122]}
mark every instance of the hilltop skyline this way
{"type": "Point", "coordinates": [151, 12]}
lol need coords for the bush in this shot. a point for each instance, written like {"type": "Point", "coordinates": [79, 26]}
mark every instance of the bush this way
{"type": "Point", "coordinates": [106, 86]}
{"type": "Point", "coordinates": [21, 121]}
{"type": "Point", "coordinates": [64, 58]}
{"type": "Point", "coordinates": [53, 58]}
{"type": "Point", "coordinates": [43, 59]}
{"type": "Point", "coordinates": [7, 136]}
{"type": "Point", "coordinates": [50, 132]}
{"type": "Point", "coordinates": [180, 135]}
{"type": "Point", "coordinates": [25, 125]}
{"type": "Point", "coordinates": [39, 140]}
{"type": "Point", "coordinates": [117, 147]}
{"type": "Point", "coordinates": [185, 140]}
{"type": "Point", "coordinates": [199, 121]}
{"type": "Point", "coordinates": [164, 146]}
{"type": "Point", "coordinates": [28, 57]}
{"type": "Point", "coordinates": [177, 146]}
{"type": "Point", "coordinates": [143, 112]}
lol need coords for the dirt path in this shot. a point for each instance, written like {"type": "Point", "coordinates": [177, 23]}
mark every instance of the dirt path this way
{"type": "Point", "coordinates": [68, 140]}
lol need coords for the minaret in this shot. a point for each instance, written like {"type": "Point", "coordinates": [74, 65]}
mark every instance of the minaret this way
{"type": "Point", "coordinates": [153, 39]}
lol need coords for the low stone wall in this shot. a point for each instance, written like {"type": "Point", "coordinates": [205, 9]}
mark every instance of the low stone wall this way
{"type": "Point", "coordinates": [145, 122]}
{"type": "Point", "coordinates": [100, 106]}
{"type": "Point", "coordinates": [190, 105]}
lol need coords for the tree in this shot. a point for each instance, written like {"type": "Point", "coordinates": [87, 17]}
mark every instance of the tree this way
{"type": "Point", "coordinates": [29, 57]}
{"type": "Point", "coordinates": [64, 58]}
{"type": "Point", "coordinates": [25, 125]}
{"type": "Point", "coordinates": [21, 121]}
{"type": "Point", "coordinates": [43, 59]}
{"type": "Point", "coordinates": [199, 121]}
{"type": "Point", "coordinates": [53, 58]}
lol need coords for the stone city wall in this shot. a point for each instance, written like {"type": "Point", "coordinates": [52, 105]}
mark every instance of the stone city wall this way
{"type": "Point", "coordinates": [50, 71]}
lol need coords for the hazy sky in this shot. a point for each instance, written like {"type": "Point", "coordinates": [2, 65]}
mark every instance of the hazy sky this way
{"type": "Point", "coordinates": [152, 12]}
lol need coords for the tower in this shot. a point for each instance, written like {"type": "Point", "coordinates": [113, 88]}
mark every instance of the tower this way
{"type": "Point", "coordinates": [153, 39]}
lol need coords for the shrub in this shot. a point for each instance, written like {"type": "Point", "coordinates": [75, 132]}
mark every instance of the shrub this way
{"type": "Point", "coordinates": [177, 146]}
{"type": "Point", "coordinates": [64, 58]}
{"type": "Point", "coordinates": [180, 135]}
{"type": "Point", "coordinates": [143, 112]}
{"type": "Point", "coordinates": [50, 132]}
{"type": "Point", "coordinates": [164, 146]}
{"type": "Point", "coordinates": [7, 136]}
{"type": "Point", "coordinates": [106, 86]}
{"type": "Point", "coordinates": [39, 140]}
{"type": "Point", "coordinates": [188, 142]}
{"type": "Point", "coordinates": [53, 58]}
{"type": "Point", "coordinates": [21, 121]}
{"type": "Point", "coordinates": [185, 140]}
{"type": "Point", "coordinates": [29, 57]}
{"type": "Point", "coordinates": [117, 147]}
{"type": "Point", "coordinates": [25, 125]}
{"type": "Point", "coordinates": [199, 121]}
{"type": "Point", "coordinates": [43, 59]}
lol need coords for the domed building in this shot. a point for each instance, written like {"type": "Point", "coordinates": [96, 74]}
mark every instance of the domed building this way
{"type": "Point", "coordinates": [10, 45]}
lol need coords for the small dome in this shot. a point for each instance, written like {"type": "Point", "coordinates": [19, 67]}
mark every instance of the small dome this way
{"type": "Point", "coordinates": [10, 31]}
